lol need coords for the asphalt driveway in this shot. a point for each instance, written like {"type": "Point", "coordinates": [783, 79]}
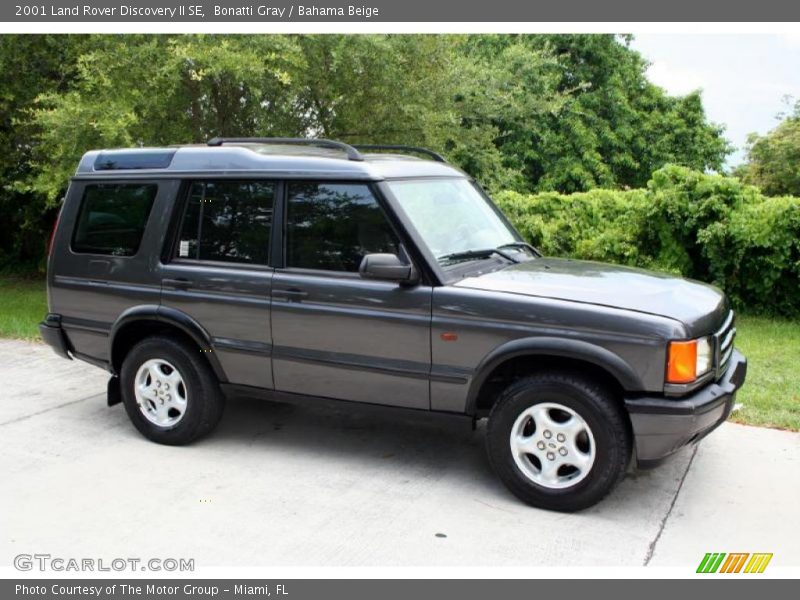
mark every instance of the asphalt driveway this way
{"type": "Point", "coordinates": [308, 485]}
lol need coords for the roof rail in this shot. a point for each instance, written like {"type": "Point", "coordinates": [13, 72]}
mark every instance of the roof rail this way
{"type": "Point", "coordinates": [352, 153]}
{"type": "Point", "coordinates": [434, 155]}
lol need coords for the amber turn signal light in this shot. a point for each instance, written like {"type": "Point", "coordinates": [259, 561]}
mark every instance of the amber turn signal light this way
{"type": "Point", "coordinates": [682, 362]}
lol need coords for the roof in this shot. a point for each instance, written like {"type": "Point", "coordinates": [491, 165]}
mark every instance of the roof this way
{"type": "Point", "coordinates": [274, 160]}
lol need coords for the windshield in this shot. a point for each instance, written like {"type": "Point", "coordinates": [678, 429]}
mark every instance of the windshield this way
{"type": "Point", "coordinates": [453, 218]}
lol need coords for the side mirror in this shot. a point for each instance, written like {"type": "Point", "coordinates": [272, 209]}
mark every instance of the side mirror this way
{"type": "Point", "coordinates": [387, 267]}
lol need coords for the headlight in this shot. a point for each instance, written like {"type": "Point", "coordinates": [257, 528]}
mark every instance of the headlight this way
{"type": "Point", "coordinates": [686, 361]}
{"type": "Point", "coordinates": [704, 356]}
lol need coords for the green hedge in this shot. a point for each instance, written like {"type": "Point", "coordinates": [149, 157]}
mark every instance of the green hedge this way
{"type": "Point", "coordinates": [706, 227]}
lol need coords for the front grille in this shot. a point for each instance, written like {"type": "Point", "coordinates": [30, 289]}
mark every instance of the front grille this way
{"type": "Point", "coordinates": [723, 344]}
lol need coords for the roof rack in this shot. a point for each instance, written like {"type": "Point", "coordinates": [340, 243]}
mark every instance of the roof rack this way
{"type": "Point", "coordinates": [352, 153]}
{"type": "Point", "coordinates": [434, 155]}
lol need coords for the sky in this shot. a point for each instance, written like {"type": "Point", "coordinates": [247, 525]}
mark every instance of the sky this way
{"type": "Point", "coordinates": [743, 77]}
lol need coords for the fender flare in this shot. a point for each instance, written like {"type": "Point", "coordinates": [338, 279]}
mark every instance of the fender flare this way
{"type": "Point", "coordinates": [550, 346]}
{"type": "Point", "coordinates": [175, 318]}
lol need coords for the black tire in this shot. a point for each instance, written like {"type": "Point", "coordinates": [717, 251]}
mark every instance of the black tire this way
{"type": "Point", "coordinates": [592, 402]}
{"type": "Point", "coordinates": [204, 399]}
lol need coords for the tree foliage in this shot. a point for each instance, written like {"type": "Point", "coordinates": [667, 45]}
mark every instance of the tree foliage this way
{"type": "Point", "coordinates": [616, 127]}
{"type": "Point", "coordinates": [773, 160]}
{"type": "Point", "coordinates": [31, 66]}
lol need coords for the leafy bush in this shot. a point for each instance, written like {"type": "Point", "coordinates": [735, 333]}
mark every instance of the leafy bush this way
{"type": "Point", "coordinates": [756, 255]}
{"type": "Point", "coordinates": [703, 226]}
{"type": "Point", "coordinates": [596, 225]}
{"type": "Point", "coordinates": [681, 205]}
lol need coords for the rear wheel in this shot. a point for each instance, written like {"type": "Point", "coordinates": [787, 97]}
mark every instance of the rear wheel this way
{"type": "Point", "coordinates": [558, 441]}
{"type": "Point", "coordinates": [169, 391]}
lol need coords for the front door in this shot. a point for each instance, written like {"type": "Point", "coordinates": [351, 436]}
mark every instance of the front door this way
{"type": "Point", "coordinates": [335, 334]}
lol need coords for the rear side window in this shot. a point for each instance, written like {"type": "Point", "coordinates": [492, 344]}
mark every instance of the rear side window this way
{"type": "Point", "coordinates": [331, 226]}
{"type": "Point", "coordinates": [227, 221]}
{"type": "Point", "coordinates": [112, 218]}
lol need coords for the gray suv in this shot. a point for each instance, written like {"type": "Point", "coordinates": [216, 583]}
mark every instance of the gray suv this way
{"type": "Point", "coordinates": [305, 269]}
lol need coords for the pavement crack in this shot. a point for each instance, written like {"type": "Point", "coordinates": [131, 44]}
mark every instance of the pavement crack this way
{"type": "Point", "coordinates": [511, 512]}
{"type": "Point", "coordinates": [47, 410]}
{"type": "Point", "coordinates": [652, 547]}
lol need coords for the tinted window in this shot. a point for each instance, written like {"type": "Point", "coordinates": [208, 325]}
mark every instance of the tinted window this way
{"type": "Point", "coordinates": [227, 221]}
{"type": "Point", "coordinates": [112, 218]}
{"type": "Point", "coordinates": [332, 226]}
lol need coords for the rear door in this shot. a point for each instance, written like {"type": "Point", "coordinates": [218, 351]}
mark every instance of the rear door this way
{"type": "Point", "coordinates": [335, 334]}
{"type": "Point", "coordinates": [217, 271]}
{"type": "Point", "coordinates": [101, 264]}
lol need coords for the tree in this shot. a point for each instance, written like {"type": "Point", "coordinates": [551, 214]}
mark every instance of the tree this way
{"type": "Point", "coordinates": [138, 90]}
{"type": "Point", "coordinates": [773, 160]}
{"type": "Point", "coordinates": [31, 65]}
{"type": "Point", "coordinates": [369, 89]}
{"type": "Point", "coordinates": [616, 127]}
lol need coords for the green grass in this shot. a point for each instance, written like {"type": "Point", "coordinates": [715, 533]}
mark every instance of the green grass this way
{"type": "Point", "coordinates": [770, 398]}
{"type": "Point", "coordinates": [23, 304]}
{"type": "Point", "coordinates": [771, 394]}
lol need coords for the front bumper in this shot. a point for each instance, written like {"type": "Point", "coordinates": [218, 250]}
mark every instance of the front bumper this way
{"type": "Point", "coordinates": [662, 426]}
{"type": "Point", "coordinates": [53, 335]}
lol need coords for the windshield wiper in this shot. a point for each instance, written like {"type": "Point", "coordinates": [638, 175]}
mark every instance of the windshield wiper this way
{"type": "Point", "coordinates": [477, 254]}
{"type": "Point", "coordinates": [525, 245]}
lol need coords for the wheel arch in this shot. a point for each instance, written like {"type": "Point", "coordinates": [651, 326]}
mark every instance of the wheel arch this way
{"type": "Point", "coordinates": [550, 353]}
{"type": "Point", "coordinates": [143, 321]}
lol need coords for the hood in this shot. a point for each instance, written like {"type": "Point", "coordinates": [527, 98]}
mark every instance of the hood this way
{"type": "Point", "coordinates": [701, 308]}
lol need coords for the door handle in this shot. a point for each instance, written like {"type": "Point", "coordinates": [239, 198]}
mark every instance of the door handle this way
{"type": "Point", "coordinates": [99, 268]}
{"type": "Point", "coordinates": [292, 294]}
{"type": "Point", "coordinates": [179, 283]}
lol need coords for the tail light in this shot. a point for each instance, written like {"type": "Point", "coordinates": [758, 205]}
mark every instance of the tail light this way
{"type": "Point", "coordinates": [53, 233]}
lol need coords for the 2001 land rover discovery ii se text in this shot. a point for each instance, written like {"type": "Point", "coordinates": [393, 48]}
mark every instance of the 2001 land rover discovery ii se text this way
{"type": "Point", "coordinates": [301, 269]}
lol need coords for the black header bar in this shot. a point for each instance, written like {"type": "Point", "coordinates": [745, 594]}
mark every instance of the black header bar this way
{"type": "Point", "coordinates": [368, 11]}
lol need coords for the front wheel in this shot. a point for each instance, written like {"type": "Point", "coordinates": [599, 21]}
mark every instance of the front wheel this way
{"type": "Point", "coordinates": [558, 441]}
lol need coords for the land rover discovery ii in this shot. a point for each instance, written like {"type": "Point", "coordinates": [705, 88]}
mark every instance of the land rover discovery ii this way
{"type": "Point", "coordinates": [307, 269]}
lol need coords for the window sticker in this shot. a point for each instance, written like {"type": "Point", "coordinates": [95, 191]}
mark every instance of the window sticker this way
{"type": "Point", "coordinates": [184, 248]}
